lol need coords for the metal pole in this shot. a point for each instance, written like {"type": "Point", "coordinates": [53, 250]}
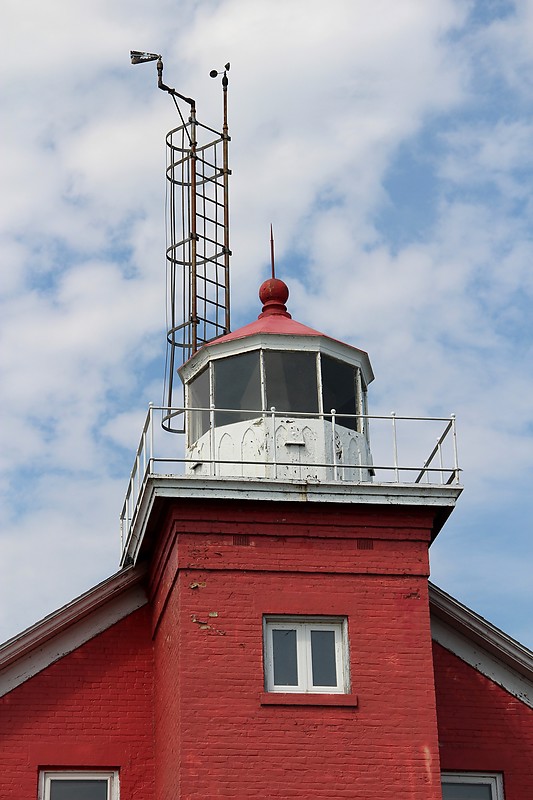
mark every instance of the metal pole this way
{"type": "Point", "coordinates": [455, 456]}
{"type": "Point", "coordinates": [333, 412]}
{"type": "Point", "coordinates": [395, 447]}
{"type": "Point", "coordinates": [274, 454]}
{"type": "Point", "coordinates": [212, 442]}
{"type": "Point", "coordinates": [138, 470]}
{"type": "Point", "coordinates": [359, 421]}
{"type": "Point", "coordinates": [151, 423]}
{"type": "Point", "coordinates": [225, 168]}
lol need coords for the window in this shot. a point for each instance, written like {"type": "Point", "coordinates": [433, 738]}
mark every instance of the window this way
{"type": "Point", "coordinates": [291, 382]}
{"type": "Point", "coordinates": [306, 655]}
{"type": "Point", "coordinates": [471, 786]}
{"type": "Point", "coordinates": [199, 398]}
{"type": "Point", "coordinates": [338, 390]}
{"type": "Point", "coordinates": [79, 786]}
{"type": "Point", "coordinates": [237, 386]}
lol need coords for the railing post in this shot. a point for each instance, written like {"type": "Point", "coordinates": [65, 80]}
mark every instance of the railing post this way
{"type": "Point", "coordinates": [137, 472]}
{"type": "Point", "coordinates": [439, 448]}
{"type": "Point", "coordinates": [212, 443]}
{"type": "Point", "coordinates": [455, 456]}
{"type": "Point", "coordinates": [151, 437]}
{"type": "Point", "coordinates": [128, 510]}
{"type": "Point", "coordinates": [274, 453]}
{"type": "Point", "coordinates": [333, 412]}
{"type": "Point", "coordinates": [395, 447]}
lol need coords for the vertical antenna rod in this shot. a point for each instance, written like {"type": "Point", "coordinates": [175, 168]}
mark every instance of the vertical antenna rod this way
{"type": "Point", "coordinates": [272, 251]}
{"type": "Point", "coordinates": [226, 170]}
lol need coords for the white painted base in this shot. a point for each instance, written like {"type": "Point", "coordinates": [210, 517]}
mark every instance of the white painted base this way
{"type": "Point", "coordinates": [299, 449]}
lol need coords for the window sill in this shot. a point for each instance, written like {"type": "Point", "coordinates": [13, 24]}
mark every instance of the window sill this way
{"type": "Point", "coordinates": [307, 699]}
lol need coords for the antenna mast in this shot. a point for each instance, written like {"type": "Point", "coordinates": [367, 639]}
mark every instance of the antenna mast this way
{"type": "Point", "coordinates": [198, 251]}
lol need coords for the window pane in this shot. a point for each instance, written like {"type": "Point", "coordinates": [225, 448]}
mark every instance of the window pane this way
{"type": "Point", "coordinates": [323, 658]}
{"type": "Point", "coordinates": [291, 381]}
{"type": "Point", "coordinates": [285, 658]}
{"type": "Point", "coordinates": [78, 790]}
{"type": "Point", "coordinates": [237, 385]}
{"type": "Point", "coordinates": [466, 791]}
{"type": "Point", "coordinates": [338, 389]}
{"type": "Point", "coordinates": [199, 398]}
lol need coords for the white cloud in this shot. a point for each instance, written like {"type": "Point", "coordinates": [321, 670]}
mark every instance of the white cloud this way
{"type": "Point", "coordinates": [323, 97]}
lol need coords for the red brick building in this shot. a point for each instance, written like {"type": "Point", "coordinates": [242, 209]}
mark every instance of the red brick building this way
{"type": "Point", "coordinates": [271, 631]}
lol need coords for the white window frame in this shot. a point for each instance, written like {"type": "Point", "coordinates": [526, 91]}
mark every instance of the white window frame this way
{"type": "Point", "coordinates": [303, 627]}
{"type": "Point", "coordinates": [110, 776]}
{"type": "Point", "coordinates": [492, 779]}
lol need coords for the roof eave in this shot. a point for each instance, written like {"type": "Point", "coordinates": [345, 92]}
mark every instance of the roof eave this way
{"type": "Point", "coordinates": [477, 629]}
{"type": "Point", "coordinates": [318, 342]}
{"type": "Point", "coordinates": [70, 614]}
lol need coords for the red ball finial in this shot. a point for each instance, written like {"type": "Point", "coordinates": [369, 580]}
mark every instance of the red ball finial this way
{"type": "Point", "coordinates": [274, 293]}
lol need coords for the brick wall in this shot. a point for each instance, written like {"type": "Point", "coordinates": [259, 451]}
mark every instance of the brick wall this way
{"type": "Point", "coordinates": [481, 726]}
{"type": "Point", "coordinates": [216, 571]}
{"type": "Point", "coordinates": [167, 695]}
{"type": "Point", "coordinates": [91, 709]}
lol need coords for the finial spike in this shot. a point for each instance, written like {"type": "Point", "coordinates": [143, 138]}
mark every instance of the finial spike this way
{"type": "Point", "coordinates": [272, 251]}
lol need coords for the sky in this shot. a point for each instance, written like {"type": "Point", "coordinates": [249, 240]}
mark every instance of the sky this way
{"type": "Point", "coordinates": [391, 147]}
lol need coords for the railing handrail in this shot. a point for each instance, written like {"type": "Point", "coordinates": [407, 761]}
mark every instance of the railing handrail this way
{"type": "Point", "coordinates": [146, 460]}
{"type": "Point", "coordinates": [176, 410]}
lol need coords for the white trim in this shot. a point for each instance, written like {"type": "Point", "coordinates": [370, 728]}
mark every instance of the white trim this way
{"type": "Point", "coordinates": [492, 779]}
{"type": "Point", "coordinates": [175, 487]}
{"type": "Point", "coordinates": [277, 341]}
{"type": "Point", "coordinates": [304, 628]}
{"type": "Point", "coordinates": [68, 628]}
{"type": "Point", "coordinates": [481, 645]}
{"type": "Point", "coordinates": [110, 777]}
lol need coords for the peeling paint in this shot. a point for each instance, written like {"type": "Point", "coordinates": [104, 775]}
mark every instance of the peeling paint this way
{"type": "Point", "coordinates": [205, 626]}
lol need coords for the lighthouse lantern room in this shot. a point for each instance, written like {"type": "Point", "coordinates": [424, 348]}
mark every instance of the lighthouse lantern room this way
{"type": "Point", "coordinates": [277, 399]}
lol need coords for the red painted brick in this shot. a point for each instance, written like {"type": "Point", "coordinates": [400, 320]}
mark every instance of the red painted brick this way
{"type": "Point", "coordinates": [481, 726]}
{"type": "Point", "coordinates": [91, 709]}
{"type": "Point", "coordinates": [172, 695]}
{"type": "Point", "coordinates": [214, 737]}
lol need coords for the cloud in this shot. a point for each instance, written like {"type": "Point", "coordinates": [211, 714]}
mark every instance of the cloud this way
{"type": "Point", "coordinates": [327, 102]}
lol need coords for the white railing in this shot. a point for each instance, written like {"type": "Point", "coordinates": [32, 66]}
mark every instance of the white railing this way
{"type": "Point", "coordinates": [397, 443]}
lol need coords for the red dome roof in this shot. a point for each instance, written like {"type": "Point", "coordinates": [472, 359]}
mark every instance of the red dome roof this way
{"type": "Point", "coordinates": [274, 318]}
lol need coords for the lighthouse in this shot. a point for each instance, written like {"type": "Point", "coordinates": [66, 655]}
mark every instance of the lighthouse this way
{"type": "Point", "coordinates": [287, 569]}
{"type": "Point", "coordinates": [288, 582]}
{"type": "Point", "coordinates": [271, 631]}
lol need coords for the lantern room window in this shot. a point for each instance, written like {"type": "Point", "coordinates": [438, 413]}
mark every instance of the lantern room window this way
{"type": "Point", "coordinates": [237, 386]}
{"type": "Point", "coordinates": [200, 399]}
{"type": "Point", "coordinates": [291, 381]}
{"type": "Point", "coordinates": [243, 385]}
{"type": "Point", "coordinates": [339, 390]}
